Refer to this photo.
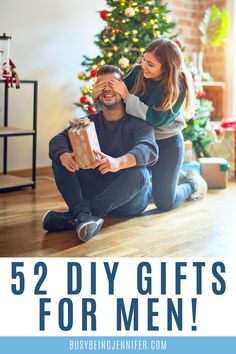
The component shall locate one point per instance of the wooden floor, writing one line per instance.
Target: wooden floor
(203, 228)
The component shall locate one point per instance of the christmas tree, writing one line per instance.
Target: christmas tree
(129, 27)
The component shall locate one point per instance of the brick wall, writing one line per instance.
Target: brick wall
(188, 15)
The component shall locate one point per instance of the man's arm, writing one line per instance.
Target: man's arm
(59, 144)
(144, 152)
(114, 164)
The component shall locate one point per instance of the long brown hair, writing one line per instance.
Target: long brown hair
(174, 73)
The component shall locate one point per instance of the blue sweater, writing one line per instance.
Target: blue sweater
(116, 138)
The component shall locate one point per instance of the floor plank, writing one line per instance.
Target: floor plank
(203, 228)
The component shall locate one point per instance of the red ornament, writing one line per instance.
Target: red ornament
(179, 43)
(146, 11)
(93, 73)
(201, 94)
(104, 14)
(91, 110)
(83, 99)
(219, 131)
(115, 31)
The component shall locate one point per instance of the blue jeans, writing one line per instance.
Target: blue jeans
(167, 194)
(124, 193)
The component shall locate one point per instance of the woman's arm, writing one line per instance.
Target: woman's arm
(157, 119)
(137, 108)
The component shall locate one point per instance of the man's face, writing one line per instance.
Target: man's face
(108, 96)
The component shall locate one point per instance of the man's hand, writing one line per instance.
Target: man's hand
(98, 87)
(107, 163)
(68, 161)
(120, 87)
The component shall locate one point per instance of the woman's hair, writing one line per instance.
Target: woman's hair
(174, 75)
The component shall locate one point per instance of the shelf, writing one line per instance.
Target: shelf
(210, 83)
(215, 92)
(10, 131)
(11, 182)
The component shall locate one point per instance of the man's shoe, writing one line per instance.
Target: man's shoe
(88, 228)
(57, 221)
(199, 183)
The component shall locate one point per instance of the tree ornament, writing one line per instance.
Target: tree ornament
(123, 63)
(146, 11)
(115, 31)
(84, 99)
(81, 76)
(129, 12)
(104, 14)
(85, 90)
(91, 109)
(93, 73)
(179, 43)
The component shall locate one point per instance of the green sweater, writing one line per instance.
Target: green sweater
(166, 123)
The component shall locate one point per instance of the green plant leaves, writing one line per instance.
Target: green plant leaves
(214, 26)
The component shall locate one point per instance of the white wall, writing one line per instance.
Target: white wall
(49, 39)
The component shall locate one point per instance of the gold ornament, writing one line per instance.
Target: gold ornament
(85, 90)
(123, 62)
(129, 12)
(81, 76)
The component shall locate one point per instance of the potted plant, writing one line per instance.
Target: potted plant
(198, 129)
(214, 28)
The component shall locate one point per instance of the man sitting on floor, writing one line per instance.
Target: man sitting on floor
(117, 184)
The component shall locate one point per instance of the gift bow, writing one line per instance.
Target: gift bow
(229, 124)
(79, 122)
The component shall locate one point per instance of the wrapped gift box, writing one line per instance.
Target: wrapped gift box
(190, 165)
(84, 141)
(225, 146)
(215, 171)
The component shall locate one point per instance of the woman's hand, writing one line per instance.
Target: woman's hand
(68, 161)
(98, 87)
(120, 87)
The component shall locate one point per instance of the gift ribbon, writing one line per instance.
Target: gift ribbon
(79, 122)
(225, 166)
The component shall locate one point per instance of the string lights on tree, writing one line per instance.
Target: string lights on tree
(129, 27)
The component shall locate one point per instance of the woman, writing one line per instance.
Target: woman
(159, 90)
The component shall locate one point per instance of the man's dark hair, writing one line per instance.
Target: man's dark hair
(109, 69)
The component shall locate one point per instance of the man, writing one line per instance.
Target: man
(117, 184)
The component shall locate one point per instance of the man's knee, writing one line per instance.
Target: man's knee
(140, 175)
